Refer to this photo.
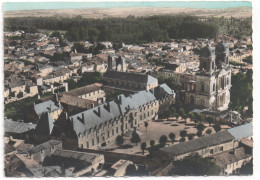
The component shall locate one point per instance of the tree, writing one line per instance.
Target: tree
(217, 127)
(146, 125)
(184, 116)
(200, 117)
(152, 142)
(172, 137)
(183, 133)
(191, 115)
(199, 133)
(210, 120)
(190, 136)
(143, 146)
(119, 140)
(208, 131)
(246, 168)
(200, 127)
(181, 112)
(72, 84)
(172, 110)
(135, 138)
(183, 139)
(195, 165)
(163, 140)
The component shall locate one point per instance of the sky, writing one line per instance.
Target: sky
(13, 6)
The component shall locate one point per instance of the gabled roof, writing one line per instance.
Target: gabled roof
(45, 124)
(41, 147)
(47, 106)
(199, 143)
(166, 88)
(96, 116)
(83, 156)
(83, 90)
(228, 157)
(133, 77)
(243, 131)
(17, 127)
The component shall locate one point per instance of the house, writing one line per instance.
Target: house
(18, 129)
(53, 109)
(80, 163)
(39, 152)
(129, 81)
(230, 161)
(212, 144)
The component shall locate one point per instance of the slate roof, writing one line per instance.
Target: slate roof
(17, 127)
(41, 147)
(243, 131)
(166, 88)
(83, 156)
(199, 143)
(228, 157)
(117, 108)
(133, 77)
(45, 124)
(47, 106)
(162, 91)
(76, 101)
(47, 171)
(83, 90)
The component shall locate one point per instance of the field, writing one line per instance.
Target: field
(242, 12)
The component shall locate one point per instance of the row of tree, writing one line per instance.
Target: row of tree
(241, 93)
(134, 30)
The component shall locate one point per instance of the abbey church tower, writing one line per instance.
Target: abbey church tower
(213, 80)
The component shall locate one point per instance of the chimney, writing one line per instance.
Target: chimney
(98, 113)
(59, 104)
(56, 97)
(107, 106)
(66, 115)
(119, 98)
(82, 116)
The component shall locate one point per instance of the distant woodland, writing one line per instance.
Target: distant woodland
(134, 30)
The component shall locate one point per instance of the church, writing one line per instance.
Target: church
(210, 86)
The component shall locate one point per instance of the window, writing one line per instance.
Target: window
(135, 121)
(221, 148)
(112, 132)
(144, 115)
(152, 112)
(93, 142)
(214, 87)
(126, 126)
(98, 139)
(148, 114)
(108, 134)
(202, 87)
(87, 145)
(141, 117)
(211, 151)
(116, 129)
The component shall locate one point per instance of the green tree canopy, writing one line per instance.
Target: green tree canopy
(135, 138)
(119, 140)
(217, 127)
(163, 140)
(195, 166)
(172, 137)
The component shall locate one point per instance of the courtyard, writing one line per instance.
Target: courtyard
(155, 130)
